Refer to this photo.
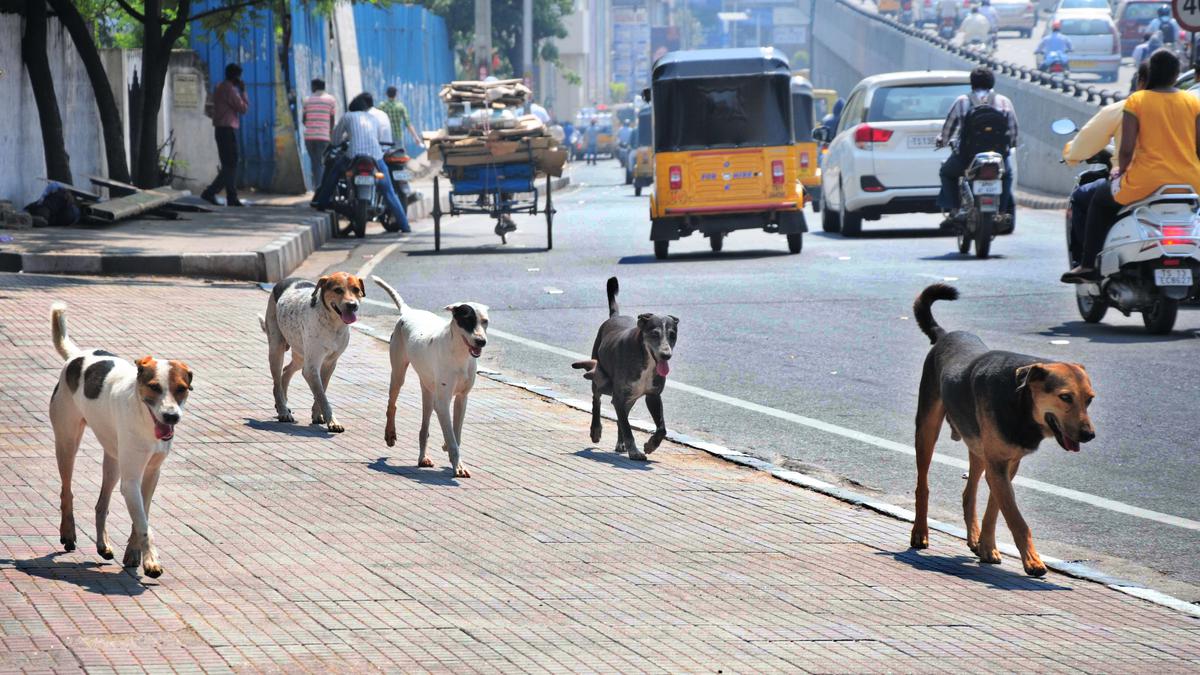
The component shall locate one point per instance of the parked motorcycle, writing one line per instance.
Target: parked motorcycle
(1056, 62)
(981, 191)
(1150, 261)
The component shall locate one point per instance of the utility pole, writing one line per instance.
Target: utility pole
(527, 40)
(483, 35)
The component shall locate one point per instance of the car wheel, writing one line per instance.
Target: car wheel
(830, 222)
(851, 222)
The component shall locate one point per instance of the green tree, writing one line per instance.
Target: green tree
(506, 28)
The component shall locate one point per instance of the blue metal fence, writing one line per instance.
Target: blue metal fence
(409, 48)
(254, 48)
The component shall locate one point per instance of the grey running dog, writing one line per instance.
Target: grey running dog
(630, 360)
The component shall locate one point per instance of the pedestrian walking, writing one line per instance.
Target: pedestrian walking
(229, 104)
(320, 110)
(592, 138)
(398, 118)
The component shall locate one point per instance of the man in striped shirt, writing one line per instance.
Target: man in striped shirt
(319, 112)
(362, 133)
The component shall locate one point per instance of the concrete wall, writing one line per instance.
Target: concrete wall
(20, 133)
(848, 46)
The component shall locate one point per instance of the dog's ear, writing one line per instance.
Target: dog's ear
(321, 284)
(1032, 373)
(644, 319)
(147, 367)
(452, 307)
(362, 287)
(674, 319)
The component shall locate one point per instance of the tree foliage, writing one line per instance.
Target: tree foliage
(548, 24)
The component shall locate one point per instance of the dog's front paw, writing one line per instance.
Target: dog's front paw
(389, 435)
(460, 471)
(152, 570)
(334, 428)
(988, 554)
(133, 556)
(919, 537)
(105, 551)
(318, 420)
(652, 443)
(596, 433)
(287, 417)
(1034, 566)
(68, 543)
(636, 455)
(425, 462)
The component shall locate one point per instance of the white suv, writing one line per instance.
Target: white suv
(882, 158)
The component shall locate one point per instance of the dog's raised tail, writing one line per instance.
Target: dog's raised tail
(613, 288)
(58, 329)
(390, 291)
(922, 309)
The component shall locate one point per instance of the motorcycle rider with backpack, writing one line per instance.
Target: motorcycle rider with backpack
(1164, 24)
(980, 121)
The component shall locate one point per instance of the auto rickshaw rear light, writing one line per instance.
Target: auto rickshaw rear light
(777, 172)
(865, 133)
(676, 177)
(804, 161)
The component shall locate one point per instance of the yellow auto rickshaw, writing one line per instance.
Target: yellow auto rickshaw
(803, 121)
(723, 151)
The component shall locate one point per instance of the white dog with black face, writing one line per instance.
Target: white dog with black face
(443, 353)
(132, 409)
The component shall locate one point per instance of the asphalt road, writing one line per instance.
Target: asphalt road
(828, 334)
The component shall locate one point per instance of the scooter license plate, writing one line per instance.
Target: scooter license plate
(364, 180)
(1180, 277)
(986, 187)
(402, 175)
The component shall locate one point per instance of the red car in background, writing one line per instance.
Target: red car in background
(1133, 16)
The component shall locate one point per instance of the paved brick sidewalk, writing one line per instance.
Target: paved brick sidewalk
(289, 549)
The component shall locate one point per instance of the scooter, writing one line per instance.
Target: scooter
(1150, 261)
(981, 193)
(397, 160)
(947, 28)
(1056, 62)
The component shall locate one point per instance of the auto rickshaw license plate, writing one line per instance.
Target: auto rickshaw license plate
(1178, 277)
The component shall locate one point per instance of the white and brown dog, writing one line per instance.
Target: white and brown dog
(443, 353)
(313, 320)
(133, 409)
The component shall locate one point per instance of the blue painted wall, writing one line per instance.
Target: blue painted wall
(406, 47)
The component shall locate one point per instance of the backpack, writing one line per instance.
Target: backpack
(1168, 30)
(984, 129)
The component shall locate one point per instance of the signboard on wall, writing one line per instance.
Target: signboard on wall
(185, 90)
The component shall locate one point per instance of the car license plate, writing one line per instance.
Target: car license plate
(1083, 64)
(922, 141)
(402, 175)
(364, 180)
(986, 187)
(1181, 277)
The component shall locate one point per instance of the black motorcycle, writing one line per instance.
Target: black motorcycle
(355, 196)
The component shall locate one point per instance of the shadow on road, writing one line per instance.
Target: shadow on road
(490, 249)
(613, 459)
(892, 233)
(91, 576)
(443, 477)
(969, 568)
(694, 256)
(1107, 334)
(297, 428)
(962, 257)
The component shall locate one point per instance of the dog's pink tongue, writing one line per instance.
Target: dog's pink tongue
(662, 368)
(349, 317)
(162, 431)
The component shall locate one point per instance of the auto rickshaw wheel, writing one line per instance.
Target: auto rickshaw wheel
(660, 249)
(716, 241)
(795, 242)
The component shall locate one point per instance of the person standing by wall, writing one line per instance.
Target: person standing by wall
(229, 104)
(398, 118)
(320, 109)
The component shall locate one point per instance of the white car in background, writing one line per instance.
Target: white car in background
(1095, 43)
(1102, 6)
(1018, 15)
(881, 158)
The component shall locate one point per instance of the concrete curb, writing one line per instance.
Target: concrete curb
(1071, 569)
(1031, 200)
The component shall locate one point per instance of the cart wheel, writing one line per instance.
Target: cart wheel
(437, 216)
(549, 217)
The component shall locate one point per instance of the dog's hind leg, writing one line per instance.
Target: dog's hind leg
(276, 350)
(930, 414)
(68, 424)
(970, 499)
(108, 481)
(423, 436)
(327, 367)
(289, 370)
(655, 406)
(399, 370)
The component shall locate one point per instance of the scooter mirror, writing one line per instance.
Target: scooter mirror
(1063, 127)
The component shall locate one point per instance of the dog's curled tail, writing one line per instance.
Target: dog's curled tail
(58, 329)
(390, 291)
(613, 288)
(588, 365)
(923, 313)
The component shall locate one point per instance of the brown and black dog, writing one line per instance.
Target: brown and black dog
(1001, 405)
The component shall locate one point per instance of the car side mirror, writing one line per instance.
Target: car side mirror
(821, 135)
(646, 94)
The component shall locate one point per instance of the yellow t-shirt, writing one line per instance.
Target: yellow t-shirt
(1166, 144)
